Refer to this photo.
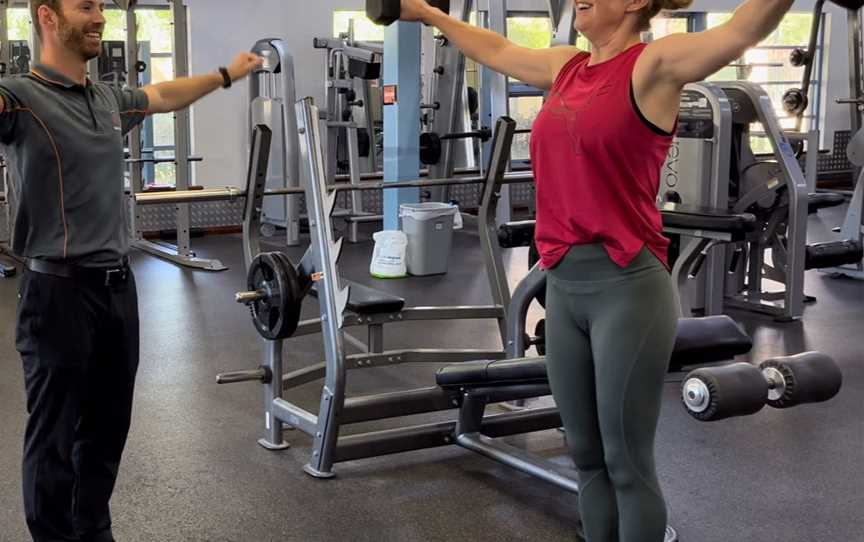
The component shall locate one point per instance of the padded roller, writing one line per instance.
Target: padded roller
(810, 377)
(716, 393)
(833, 254)
(706, 218)
(516, 234)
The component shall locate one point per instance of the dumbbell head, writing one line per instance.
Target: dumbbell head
(853, 5)
(794, 101)
(387, 12)
(383, 12)
(810, 377)
(799, 57)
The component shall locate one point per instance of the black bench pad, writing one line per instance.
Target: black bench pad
(699, 340)
(520, 234)
(492, 373)
(706, 218)
(366, 300)
(708, 340)
(823, 200)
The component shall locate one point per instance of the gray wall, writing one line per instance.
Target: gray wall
(221, 28)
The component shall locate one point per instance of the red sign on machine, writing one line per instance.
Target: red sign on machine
(390, 95)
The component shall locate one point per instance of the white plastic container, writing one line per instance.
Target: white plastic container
(389, 255)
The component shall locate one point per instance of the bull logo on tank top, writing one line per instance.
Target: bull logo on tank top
(572, 111)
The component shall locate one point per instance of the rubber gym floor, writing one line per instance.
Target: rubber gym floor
(193, 471)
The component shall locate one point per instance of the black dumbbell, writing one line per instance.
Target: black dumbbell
(741, 389)
(853, 5)
(387, 12)
(795, 101)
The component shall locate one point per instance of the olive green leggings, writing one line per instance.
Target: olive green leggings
(609, 336)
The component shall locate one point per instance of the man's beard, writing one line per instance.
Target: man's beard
(75, 39)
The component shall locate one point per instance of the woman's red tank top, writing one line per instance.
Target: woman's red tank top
(597, 163)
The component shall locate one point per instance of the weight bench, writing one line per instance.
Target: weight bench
(699, 341)
(478, 383)
(710, 227)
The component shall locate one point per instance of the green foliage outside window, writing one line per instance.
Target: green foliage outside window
(531, 32)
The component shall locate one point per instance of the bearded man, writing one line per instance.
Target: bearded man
(77, 323)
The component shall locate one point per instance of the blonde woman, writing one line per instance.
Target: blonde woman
(597, 147)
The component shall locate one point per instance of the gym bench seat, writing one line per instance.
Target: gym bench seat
(366, 300)
(699, 341)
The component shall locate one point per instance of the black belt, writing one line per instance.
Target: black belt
(107, 276)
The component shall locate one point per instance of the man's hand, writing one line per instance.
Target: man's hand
(243, 65)
(414, 10)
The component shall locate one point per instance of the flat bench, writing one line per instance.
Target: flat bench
(365, 300)
(699, 341)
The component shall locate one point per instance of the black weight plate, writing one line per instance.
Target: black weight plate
(540, 335)
(294, 302)
(277, 315)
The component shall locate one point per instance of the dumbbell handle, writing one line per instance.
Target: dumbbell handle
(483, 133)
(859, 100)
(249, 297)
(261, 374)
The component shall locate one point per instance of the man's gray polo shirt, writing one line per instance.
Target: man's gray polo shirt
(64, 148)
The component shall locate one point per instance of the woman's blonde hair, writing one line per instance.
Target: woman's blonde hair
(656, 6)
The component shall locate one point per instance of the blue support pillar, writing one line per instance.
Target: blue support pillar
(402, 118)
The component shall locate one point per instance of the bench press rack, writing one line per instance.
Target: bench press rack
(467, 385)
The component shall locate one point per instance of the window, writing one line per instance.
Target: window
(768, 65)
(535, 32)
(663, 26)
(364, 29)
(18, 20)
(532, 31)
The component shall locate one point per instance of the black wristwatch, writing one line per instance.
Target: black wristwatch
(226, 78)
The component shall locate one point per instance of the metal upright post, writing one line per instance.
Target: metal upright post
(449, 83)
(35, 44)
(562, 13)
(136, 180)
(401, 116)
(272, 439)
(496, 99)
(181, 127)
(182, 253)
(331, 298)
(5, 59)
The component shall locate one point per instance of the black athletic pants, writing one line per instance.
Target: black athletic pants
(78, 340)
